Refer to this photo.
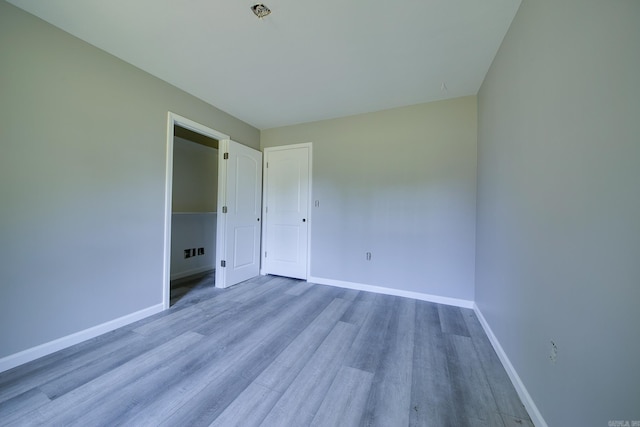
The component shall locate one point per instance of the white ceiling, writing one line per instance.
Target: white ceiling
(306, 61)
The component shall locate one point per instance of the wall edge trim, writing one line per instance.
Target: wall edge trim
(33, 353)
(523, 393)
(391, 291)
(193, 271)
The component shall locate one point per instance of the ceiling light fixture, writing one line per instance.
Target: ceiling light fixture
(260, 10)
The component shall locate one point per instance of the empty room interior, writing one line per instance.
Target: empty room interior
(469, 248)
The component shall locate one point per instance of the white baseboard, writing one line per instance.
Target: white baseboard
(192, 272)
(33, 353)
(390, 291)
(525, 397)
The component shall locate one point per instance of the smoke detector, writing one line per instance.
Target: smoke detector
(260, 10)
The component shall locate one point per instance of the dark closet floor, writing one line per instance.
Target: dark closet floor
(181, 287)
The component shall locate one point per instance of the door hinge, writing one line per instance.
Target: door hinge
(226, 156)
(224, 209)
(223, 263)
(265, 254)
(267, 165)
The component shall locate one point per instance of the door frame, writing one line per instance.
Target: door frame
(173, 120)
(310, 202)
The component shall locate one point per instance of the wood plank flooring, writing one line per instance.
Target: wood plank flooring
(275, 352)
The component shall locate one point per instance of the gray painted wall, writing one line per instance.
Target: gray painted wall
(195, 177)
(400, 184)
(82, 176)
(559, 206)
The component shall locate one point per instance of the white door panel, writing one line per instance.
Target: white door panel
(241, 198)
(244, 237)
(286, 245)
(287, 179)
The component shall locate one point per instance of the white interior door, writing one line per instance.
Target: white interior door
(239, 213)
(287, 172)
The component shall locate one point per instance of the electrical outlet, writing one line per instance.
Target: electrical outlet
(368, 256)
(553, 354)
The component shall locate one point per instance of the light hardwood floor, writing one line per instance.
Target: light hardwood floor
(273, 352)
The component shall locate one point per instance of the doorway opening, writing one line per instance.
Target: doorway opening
(193, 211)
(191, 193)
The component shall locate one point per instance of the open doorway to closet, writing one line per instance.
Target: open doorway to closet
(233, 220)
(191, 205)
(193, 211)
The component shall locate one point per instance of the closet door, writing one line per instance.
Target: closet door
(239, 213)
(287, 175)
